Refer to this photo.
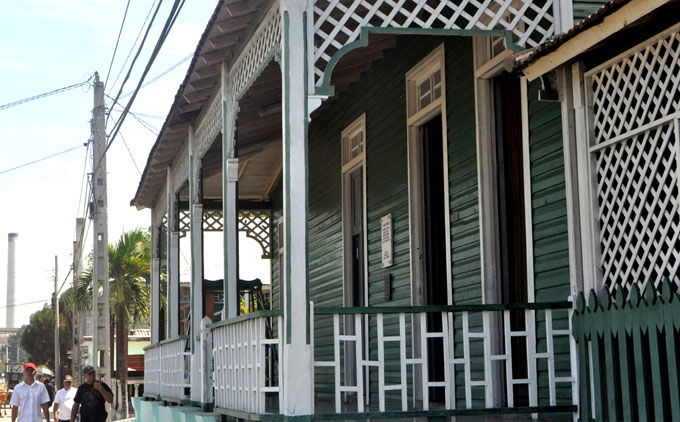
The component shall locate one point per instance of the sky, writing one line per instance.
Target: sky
(50, 44)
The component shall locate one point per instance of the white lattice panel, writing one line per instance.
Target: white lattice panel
(152, 371)
(210, 126)
(635, 102)
(636, 90)
(339, 22)
(243, 364)
(264, 41)
(346, 339)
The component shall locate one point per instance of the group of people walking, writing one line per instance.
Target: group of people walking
(86, 402)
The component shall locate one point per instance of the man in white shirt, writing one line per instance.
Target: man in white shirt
(28, 397)
(63, 401)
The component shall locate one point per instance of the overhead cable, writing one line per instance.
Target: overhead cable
(134, 44)
(43, 95)
(120, 31)
(172, 17)
(41, 159)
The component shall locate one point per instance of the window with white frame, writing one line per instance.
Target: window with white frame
(424, 84)
(353, 143)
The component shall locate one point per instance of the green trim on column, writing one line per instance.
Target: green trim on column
(192, 191)
(306, 124)
(325, 88)
(286, 167)
(225, 123)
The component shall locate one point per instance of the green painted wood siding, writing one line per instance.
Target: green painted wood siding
(583, 8)
(550, 241)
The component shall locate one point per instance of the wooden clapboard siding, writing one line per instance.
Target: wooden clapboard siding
(549, 218)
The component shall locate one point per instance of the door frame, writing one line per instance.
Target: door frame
(415, 119)
(415, 180)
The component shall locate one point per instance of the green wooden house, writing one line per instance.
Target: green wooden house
(420, 201)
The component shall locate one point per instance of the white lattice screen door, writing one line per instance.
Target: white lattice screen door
(634, 148)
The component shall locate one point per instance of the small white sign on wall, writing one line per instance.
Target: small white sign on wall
(386, 240)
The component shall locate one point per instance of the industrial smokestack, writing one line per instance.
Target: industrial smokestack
(11, 279)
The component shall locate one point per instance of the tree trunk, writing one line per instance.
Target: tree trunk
(121, 360)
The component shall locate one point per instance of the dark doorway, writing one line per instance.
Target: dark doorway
(512, 235)
(356, 182)
(434, 245)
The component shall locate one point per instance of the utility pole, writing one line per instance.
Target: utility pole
(101, 321)
(77, 250)
(57, 360)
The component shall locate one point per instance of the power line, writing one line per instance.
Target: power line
(120, 31)
(25, 303)
(160, 75)
(128, 150)
(43, 95)
(40, 159)
(172, 17)
(134, 44)
(139, 51)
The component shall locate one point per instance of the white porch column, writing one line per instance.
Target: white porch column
(172, 261)
(196, 211)
(298, 391)
(230, 205)
(155, 280)
(229, 198)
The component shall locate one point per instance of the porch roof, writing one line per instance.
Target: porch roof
(609, 19)
(222, 40)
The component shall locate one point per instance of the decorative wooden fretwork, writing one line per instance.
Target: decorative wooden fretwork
(256, 224)
(210, 126)
(635, 100)
(260, 48)
(213, 221)
(338, 23)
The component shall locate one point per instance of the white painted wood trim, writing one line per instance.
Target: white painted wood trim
(571, 180)
(230, 204)
(528, 206)
(581, 42)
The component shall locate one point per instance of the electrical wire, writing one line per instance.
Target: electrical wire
(41, 159)
(133, 44)
(120, 31)
(139, 51)
(25, 303)
(45, 94)
(160, 75)
(128, 150)
(172, 17)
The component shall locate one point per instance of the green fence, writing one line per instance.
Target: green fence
(628, 344)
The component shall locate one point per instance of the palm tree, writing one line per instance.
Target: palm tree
(129, 274)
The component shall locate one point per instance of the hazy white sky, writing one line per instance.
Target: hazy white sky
(49, 44)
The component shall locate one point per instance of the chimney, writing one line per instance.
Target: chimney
(11, 279)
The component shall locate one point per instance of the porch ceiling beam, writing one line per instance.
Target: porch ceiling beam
(583, 41)
(226, 40)
(234, 24)
(208, 71)
(194, 106)
(204, 83)
(197, 95)
(242, 8)
(216, 57)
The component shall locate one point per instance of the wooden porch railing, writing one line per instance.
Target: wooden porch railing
(164, 369)
(628, 346)
(247, 354)
(404, 340)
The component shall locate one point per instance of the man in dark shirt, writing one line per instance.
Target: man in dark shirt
(90, 399)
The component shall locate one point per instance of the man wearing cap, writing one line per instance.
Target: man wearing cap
(63, 401)
(28, 397)
(90, 399)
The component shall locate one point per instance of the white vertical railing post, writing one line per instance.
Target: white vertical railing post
(172, 261)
